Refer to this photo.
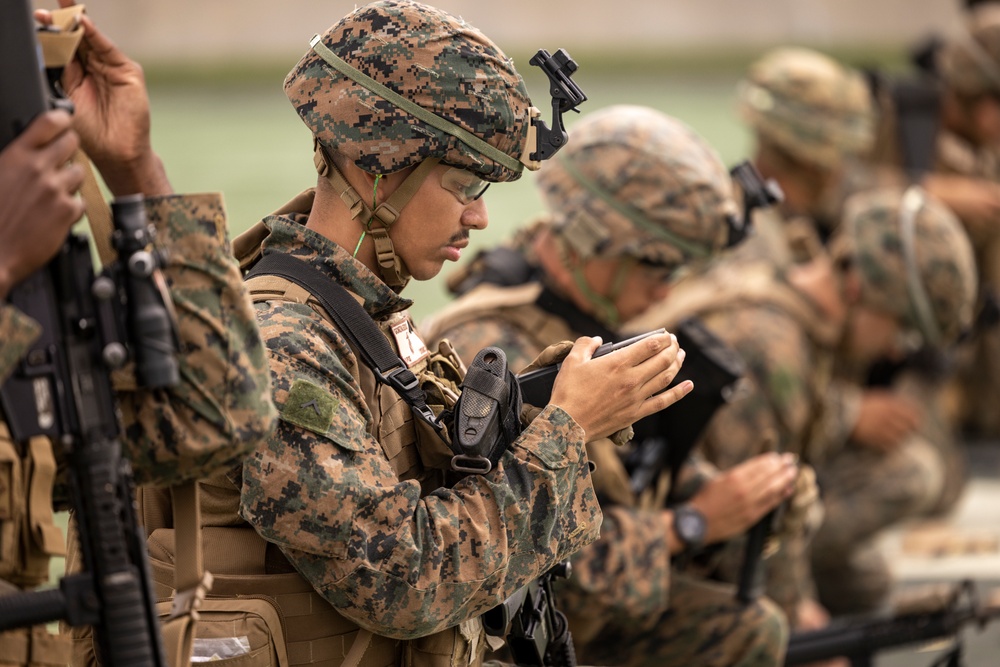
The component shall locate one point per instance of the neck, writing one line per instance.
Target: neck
(331, 218)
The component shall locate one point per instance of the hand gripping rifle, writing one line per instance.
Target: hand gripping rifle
(62, 389)
(860, 638)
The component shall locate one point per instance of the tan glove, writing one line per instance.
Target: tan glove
(550, 356)
(803, 512)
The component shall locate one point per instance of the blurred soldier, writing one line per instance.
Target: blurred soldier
(636, 198)
(809, 116)
(917, 268)
(963, 159)
(892, 275)
(351, 517)
(221, 408)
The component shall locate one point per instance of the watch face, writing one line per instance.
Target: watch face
(690, 526)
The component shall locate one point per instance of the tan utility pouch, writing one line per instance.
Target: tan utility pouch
(241, 631)
(29, 537)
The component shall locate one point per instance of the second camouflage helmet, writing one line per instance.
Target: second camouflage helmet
(914, 259)
(377, 85)
(635, 182)
(808, 105)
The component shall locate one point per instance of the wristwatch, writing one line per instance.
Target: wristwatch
(690, 525)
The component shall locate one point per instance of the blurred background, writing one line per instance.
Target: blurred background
(222, 122)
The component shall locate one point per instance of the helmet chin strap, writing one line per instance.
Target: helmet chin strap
(605, 309)
(390, 267)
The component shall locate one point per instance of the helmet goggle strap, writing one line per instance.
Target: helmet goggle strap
(920, 303)
(386, 213)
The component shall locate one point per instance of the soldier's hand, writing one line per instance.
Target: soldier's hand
(975, 201)
(885, 420)
(612, 392)
(739, 497)
(111, 115)
(811, 615)
(38, 202)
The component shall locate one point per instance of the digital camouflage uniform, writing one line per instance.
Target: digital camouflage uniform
(18, 332)
(632, 184)
(352, 495)
(218, 412)
(866, 490)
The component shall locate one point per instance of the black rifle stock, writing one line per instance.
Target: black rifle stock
(859, 639)
(62, 389)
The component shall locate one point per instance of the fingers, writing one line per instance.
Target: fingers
(665, 399)
(46, 127)
(584, 348)
(99, 46)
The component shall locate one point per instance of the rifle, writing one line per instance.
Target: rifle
(757, 193)
(91, 324)
(536, 631)
(860, 638)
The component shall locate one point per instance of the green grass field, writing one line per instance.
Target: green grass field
(244, 139)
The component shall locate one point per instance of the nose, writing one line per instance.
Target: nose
(475, 215)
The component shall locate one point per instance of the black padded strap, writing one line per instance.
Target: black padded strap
(354, 323)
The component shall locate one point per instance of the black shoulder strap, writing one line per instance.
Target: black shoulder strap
(355, 324)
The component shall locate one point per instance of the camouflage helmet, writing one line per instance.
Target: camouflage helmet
(969, 62)
(915, 260)
(808, 105)
(395, 82)
(635, 182)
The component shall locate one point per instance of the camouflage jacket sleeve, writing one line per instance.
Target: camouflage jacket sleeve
(625, 575)
(222, 407)
(18, 332)
(397, 559)
(774, 408)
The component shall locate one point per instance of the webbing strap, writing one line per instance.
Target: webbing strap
(191, 582)
(58, 49)
(358, 648)
(355, 324)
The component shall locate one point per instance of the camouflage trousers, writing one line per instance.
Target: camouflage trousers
(705, 625)
(864, 492)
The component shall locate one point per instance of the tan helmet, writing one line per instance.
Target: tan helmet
(969, 61)
(808, 105)
(914, 258)
(635, 182)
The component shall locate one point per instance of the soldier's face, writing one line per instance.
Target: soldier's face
(434, 226)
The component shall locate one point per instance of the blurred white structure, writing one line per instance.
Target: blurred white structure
(227, 30)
